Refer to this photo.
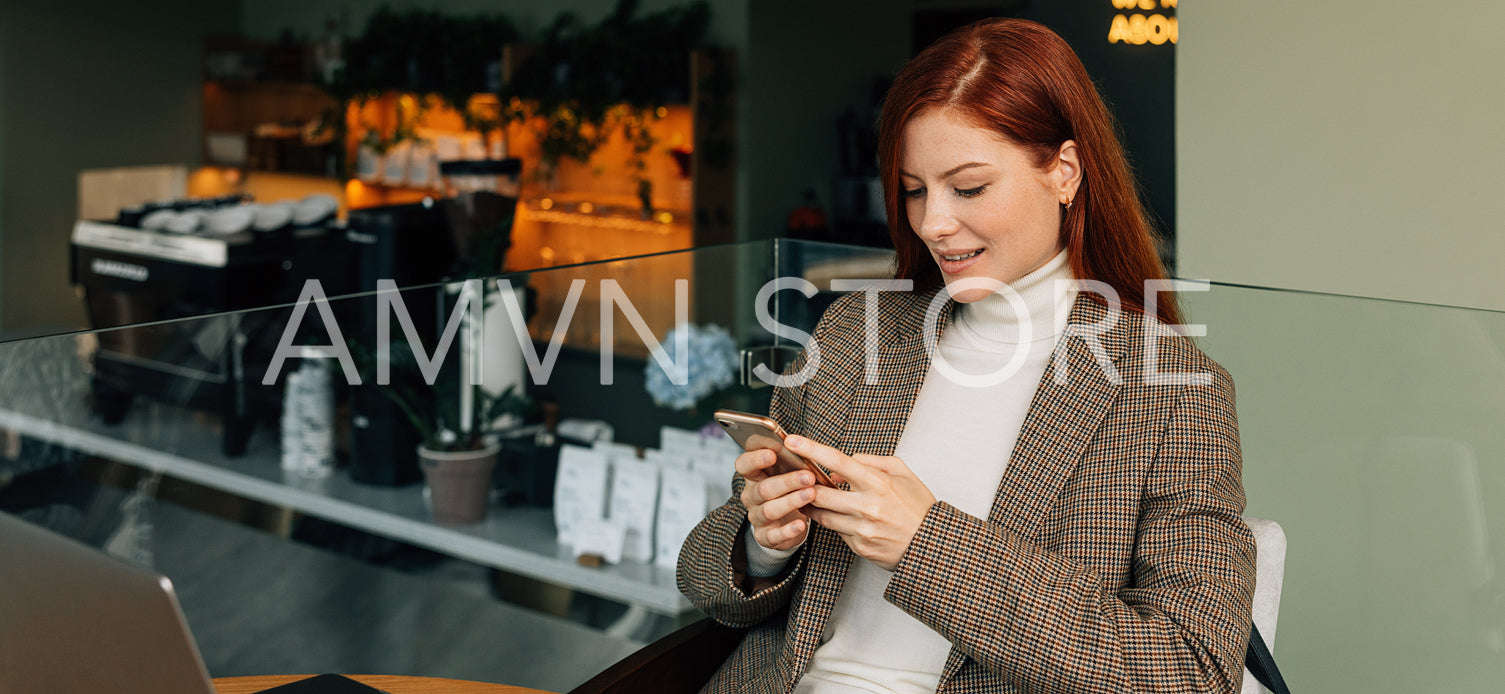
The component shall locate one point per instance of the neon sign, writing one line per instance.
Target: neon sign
(1138, 29)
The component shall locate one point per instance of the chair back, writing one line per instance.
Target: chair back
(1270, 568)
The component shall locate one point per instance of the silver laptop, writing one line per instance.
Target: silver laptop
(73, 619)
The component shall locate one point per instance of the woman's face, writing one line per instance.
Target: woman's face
(978, 201)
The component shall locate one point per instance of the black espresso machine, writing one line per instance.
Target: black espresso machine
(130, 276)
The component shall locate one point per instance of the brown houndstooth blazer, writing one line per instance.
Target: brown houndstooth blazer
(1114, 558)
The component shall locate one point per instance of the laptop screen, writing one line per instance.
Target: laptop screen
(73, 619)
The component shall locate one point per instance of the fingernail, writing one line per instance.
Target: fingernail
(794, 442)
(807, 478)
(807, 495)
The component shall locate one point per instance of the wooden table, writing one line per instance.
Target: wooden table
(396, 684)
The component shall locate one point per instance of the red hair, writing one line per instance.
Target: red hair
(1020, 80)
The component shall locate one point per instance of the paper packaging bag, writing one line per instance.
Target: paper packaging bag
(603, 538)
(717, 471)
(579, 490)
(680, 441)
(682, 503)
(615, 451)
(668, 461)
(634, 501)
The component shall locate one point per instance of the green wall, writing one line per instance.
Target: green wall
(87, 84)
(1352, 146)
(1370, 432)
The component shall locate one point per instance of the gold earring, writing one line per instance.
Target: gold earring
(1068, 205)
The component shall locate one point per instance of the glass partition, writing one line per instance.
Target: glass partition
(288, 503)
(1371, 433)
(262, 461)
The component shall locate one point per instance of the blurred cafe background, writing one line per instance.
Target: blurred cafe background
(1326, 178)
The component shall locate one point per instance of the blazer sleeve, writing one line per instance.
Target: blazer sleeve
(712, 569)
(1045, 623)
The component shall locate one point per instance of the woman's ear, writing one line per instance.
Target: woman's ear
(1066, 171)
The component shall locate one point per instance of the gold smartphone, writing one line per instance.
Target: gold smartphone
(754, 431)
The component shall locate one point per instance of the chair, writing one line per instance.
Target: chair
(1269, 572)
(675, 664)
(684, 660)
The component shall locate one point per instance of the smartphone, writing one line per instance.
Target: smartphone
(324, 684)
(754, 431)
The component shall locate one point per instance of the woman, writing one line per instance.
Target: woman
(1106, 553)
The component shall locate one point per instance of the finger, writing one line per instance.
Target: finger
(773, 487)
(778, 521)
(836, 522)
(837, 501)
(754, 464)
(834, 460)
(783, 536)
(780, 485)
(776, 510)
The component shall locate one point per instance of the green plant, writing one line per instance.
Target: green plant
(578, 78)
(425, 52)
(580, 84)
(434, 408)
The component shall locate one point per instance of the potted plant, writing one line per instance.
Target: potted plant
(455, 423)
(455, 419)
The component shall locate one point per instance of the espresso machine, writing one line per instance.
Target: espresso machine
(133, 274)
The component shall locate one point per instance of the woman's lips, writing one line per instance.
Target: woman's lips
(952, 267)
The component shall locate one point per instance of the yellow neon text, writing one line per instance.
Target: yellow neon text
(1145, 5)
(1137, 29)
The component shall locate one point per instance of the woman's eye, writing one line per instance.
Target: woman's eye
(970, 192)
(914, 193)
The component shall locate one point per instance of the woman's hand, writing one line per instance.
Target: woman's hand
(883, 510)
(773, 501)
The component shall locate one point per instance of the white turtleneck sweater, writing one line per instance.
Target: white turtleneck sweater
(957, 441)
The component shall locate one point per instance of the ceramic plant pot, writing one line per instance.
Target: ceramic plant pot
(459, 482)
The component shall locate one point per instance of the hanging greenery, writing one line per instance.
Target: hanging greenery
(425, 52)
(578, 85)
(578, 76)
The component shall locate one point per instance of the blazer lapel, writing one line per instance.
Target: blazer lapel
(882, 406)
(1058, 425)
(879, 410)
(1060, 421)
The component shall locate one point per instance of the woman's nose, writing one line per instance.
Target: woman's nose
(937, 221)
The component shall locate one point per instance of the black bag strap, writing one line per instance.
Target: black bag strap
(1262, 665)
